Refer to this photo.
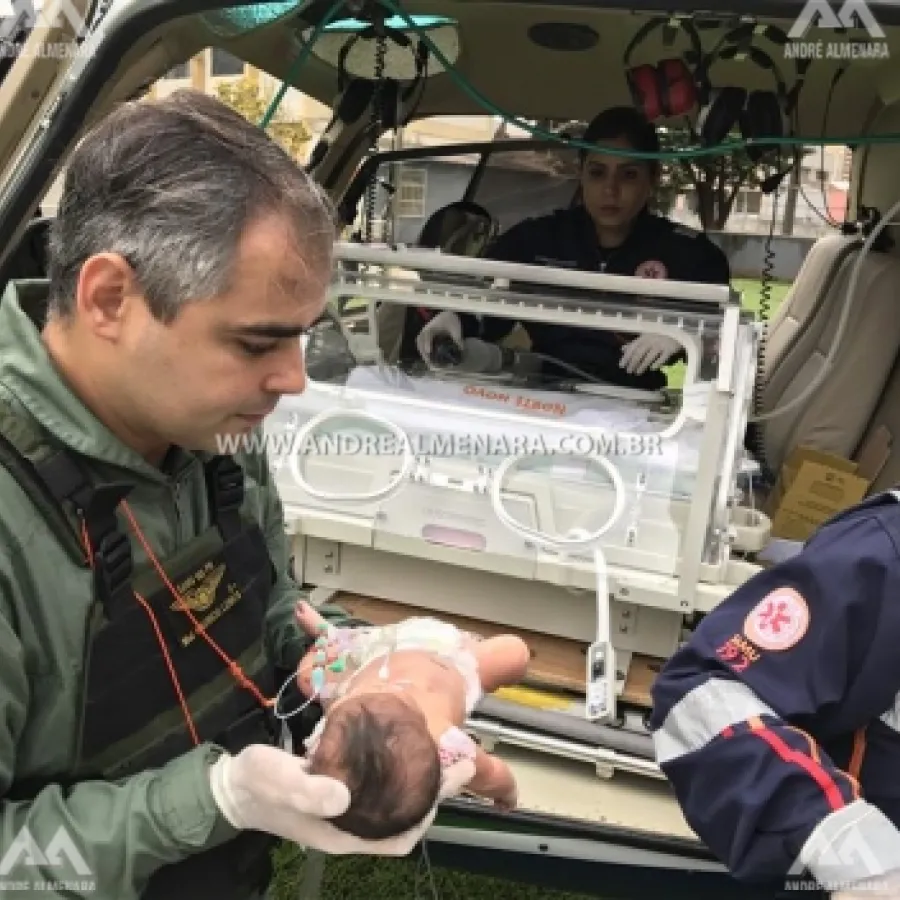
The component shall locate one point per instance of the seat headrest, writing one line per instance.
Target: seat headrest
(462, 228)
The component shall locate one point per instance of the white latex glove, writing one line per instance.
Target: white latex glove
(267, 789)
(879, 887)
(649, 351)
(446, 322)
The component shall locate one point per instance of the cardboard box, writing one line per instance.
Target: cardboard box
(814, 486)
(817, 492)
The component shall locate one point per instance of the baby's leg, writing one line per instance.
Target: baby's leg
(501, 660)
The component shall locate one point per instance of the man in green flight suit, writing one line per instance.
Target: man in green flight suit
(146, 607)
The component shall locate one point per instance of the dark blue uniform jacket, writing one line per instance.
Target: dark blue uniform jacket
(778, 724)
(567, 239)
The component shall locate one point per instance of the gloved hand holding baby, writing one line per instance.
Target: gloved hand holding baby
(271, 790)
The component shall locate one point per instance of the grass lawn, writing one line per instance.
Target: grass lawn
(370, 878)
(364, 878)
(752, 292)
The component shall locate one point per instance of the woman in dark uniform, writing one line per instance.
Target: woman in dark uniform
(611, 229)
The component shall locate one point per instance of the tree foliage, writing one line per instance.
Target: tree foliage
(246, 97)
(714, 180)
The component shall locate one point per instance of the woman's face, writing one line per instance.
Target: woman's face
(615, 188)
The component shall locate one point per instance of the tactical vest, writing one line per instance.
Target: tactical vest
(130, 716)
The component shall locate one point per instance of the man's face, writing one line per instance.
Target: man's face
(615, 188)
(223, 364)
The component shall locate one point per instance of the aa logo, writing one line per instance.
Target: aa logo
(835, 15)
(24, 16)
(60, 853)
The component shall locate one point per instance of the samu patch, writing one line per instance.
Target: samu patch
(651, 268)
(779, 621)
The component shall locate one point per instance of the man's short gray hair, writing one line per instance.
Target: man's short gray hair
(171, 185)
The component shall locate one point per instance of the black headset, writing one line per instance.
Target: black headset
(758, 114)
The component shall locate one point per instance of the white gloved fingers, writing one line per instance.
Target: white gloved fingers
(319, 834)
(265, 788)
(446, 322)
(657, 358)
(633, 355)
(667, 347)
(268, 789)
(649, 351)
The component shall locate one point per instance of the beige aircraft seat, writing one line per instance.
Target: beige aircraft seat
(885, 425)
(836, 414)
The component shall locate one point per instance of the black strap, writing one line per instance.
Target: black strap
(95, 506)
(225, 494)
(23, 471)
(60, 488)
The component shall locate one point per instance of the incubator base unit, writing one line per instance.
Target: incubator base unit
(548, 504)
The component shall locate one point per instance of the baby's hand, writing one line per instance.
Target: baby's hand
(309, 618)
(505, 793)
(509, 800)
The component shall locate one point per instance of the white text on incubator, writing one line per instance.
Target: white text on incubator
(446, 445)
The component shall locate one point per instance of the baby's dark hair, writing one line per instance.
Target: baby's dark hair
(623, 122)
(381, 748)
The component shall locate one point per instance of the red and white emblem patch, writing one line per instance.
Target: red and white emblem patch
(652, 268)
(778, 621)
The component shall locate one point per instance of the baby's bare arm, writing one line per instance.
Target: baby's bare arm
(493, 779)
(501, 660)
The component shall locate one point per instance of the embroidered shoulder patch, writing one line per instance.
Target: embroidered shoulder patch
(779, 621)
(651, 268)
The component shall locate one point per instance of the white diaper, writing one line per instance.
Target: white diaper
(365, 645)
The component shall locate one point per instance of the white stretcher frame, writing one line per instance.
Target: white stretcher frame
(370, 278)
(347, 548)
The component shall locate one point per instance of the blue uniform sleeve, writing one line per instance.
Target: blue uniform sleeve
(730, 707)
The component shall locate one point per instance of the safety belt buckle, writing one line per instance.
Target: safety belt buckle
(112, 572)
(225, 483)
(110, 547)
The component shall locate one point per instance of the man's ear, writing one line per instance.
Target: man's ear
(106, 282)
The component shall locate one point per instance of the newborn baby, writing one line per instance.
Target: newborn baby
(393, 701)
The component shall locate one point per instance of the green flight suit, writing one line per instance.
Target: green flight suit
(123, 830)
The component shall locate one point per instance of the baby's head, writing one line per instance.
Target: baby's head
(380, 747)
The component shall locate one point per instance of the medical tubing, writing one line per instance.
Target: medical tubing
(842, 322)
(577, 537)
(585, 539)
(544, 357)
(303, 436)
(722, 148)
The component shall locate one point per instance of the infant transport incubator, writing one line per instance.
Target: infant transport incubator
(533, 499)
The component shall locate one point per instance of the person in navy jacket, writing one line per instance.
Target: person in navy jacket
(778, 723)
(610, 229)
